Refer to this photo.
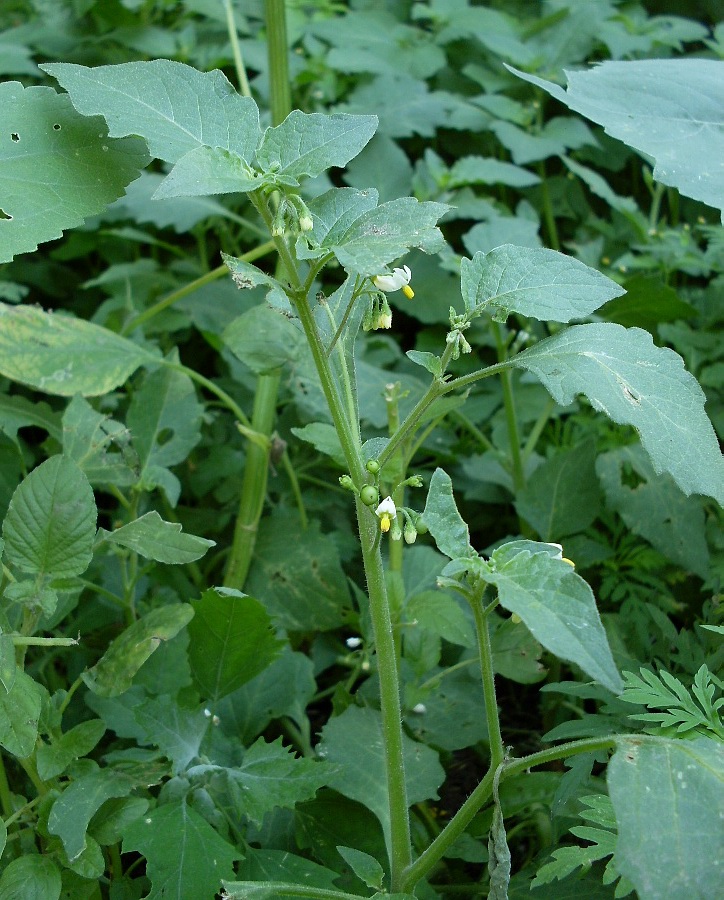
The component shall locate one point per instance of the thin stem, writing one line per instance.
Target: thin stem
(550, 219)
(228, 401)
(392, 396)
(400, 849)
(510, 414)
(189, 288)
(537, 429)
(6, 800)
(20, 640)
(294, 482)
(497, 749)
(236, 50)
(253, 489)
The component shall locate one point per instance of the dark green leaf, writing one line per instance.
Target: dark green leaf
(153, 538)
(443, 519)
(31, 877)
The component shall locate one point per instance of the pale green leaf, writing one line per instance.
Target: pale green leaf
(442, 614)
(62, 355)
(269, 776)
(297, 575)
(333, 213)
(669, 109)
(668, 796)
(31, 877)
(353, 743)
(208, 170)
(165, 423)
(8, 664)
(556, 604)
(52, 759)
(323, 438)
(185, 857)
(51, 521)
(175, 730)
(19, 715)
(380, 234)
(443, 520)
(88, 437)
(307, 144)
(81, 799)
(535, 282)
(56, 167)
(18, 412)
(634, 382)
(562, 496)
(173, 106)
(483, 170)
(655, 508)
(280, 865)
(231, 641)
(113, 673)
(152, 538)
(364, 866)
(263, 338)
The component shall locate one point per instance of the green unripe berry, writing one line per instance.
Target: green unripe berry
(420, 526)
(372, 466)
(369, 495)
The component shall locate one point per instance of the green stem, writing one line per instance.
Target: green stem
(253, 489)
(397, 474)
(6, 800)
(280, 99)
(236, 50)
(497, 748)
(294, 482)
(510, 414)
(550, 219)
(482, 793)
(537, 429)
(20, 640)
(400, 847)
(287, 889)
(189, 288)
(228, 401)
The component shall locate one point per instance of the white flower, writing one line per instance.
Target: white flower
(353, 642)
(399, 280)
(385, 512)
(419, 709)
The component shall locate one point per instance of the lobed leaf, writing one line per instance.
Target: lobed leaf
(534, 282)
(173, 106)
(57, 167)
(634, 382)
(669, 109)
(152, 538)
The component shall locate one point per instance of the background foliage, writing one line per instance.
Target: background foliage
(244, 723)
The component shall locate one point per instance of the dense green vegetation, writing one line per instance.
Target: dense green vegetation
(360, 395)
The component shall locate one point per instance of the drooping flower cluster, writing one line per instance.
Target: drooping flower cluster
(379, 314)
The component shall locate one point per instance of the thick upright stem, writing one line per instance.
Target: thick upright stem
(497, 749)
(253, 490)
(280, 99)
(510, 414)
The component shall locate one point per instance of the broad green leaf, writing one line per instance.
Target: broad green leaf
(8, 664)
(481, 170)
(116, 814)
(61, 355)
(113, 673)
(516, 653)
(557, 135)
(19, 715)
(556, 604)
(81, 799)
(269, 776)
(54, 758)
(323, 438)
(668, 796)
(87, 439)
(280, 865)
(173, 106)
(446, 713)
(383, 234)
(31, 877)
(655, 508)
(562, 496)
(329, 820)
(18, 412)
(307, 144)
(175, 730)
(409, 106)
(263, 338)
(364, 866)
(284, 688)
(635, 383)
(208, 170)
(231, 641)
(443, 519)
(669, 109)
(442, 614)
(353, 743)
(539, 283)
(646, 303)
(333, 213)
(51, 522)
(165, 423)
(185, 857)
(57, 167)
(297, 575)
(245, 275)
(152, 538)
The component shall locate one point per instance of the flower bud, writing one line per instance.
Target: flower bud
(346, 482)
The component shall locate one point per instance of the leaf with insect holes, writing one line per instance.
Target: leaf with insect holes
(636, 383)
(173, 106)
(57, 167)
